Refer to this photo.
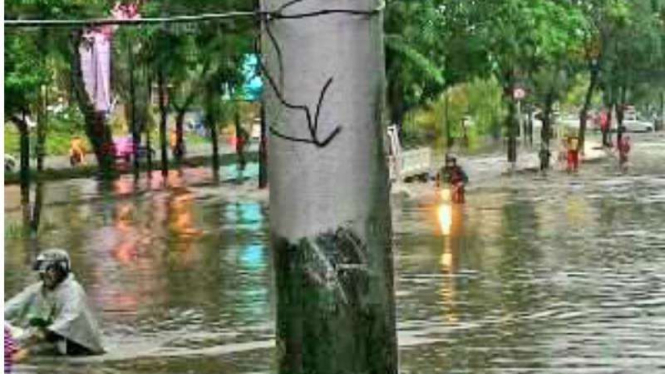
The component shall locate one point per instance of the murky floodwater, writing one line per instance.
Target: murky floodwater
(558, 274)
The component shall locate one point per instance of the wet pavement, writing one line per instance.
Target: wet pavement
(535, 274)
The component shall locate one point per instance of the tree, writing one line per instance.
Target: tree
(634, 53)
(25, 75)
(604, 18)
(329, 194)
(557, 32)
(415, 55)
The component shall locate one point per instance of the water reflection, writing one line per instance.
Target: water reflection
(451, 220)
(558, 274)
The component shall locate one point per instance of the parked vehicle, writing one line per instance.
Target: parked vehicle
(124, 149)
(632, 123)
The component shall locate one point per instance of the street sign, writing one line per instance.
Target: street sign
(519, 93)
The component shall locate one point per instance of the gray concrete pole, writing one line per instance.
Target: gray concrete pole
(329, 205)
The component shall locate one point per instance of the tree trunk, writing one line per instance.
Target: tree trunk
(163, 117)
(148, 145)
(42, 123)
(263, 156)
(212, 105)
(610, 117)
(662, 109)
(511, 121)
(136, 135)
(96, 129)
(512, 130)
(24, 161)
(397, 107)
(449, 135)
(585, 108)
(240, 138)
(329, 204)
(24, 132)
(146, 124)
(620, 107)
(179, 151)
(215, 147)
(546, 132)
(530, 124)
(36, 215)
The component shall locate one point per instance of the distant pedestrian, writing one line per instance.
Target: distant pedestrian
(573, 157)
(242, 138)
(76, 151)
(624, 150)
(544, 156)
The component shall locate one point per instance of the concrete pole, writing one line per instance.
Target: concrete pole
(329, 206)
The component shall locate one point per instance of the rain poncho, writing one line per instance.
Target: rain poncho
(63, 311)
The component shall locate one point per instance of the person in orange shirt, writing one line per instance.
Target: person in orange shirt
(173, 142)
(76, 151)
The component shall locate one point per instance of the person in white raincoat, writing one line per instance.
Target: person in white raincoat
(54, 312)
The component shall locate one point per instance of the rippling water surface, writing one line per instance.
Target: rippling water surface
(557, 274)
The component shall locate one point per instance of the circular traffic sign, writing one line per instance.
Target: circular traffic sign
(519, 93)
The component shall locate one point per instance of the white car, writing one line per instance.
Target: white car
(568, 122)
(635, 125)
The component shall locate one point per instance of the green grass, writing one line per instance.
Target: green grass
(57, 142)
(91, 171)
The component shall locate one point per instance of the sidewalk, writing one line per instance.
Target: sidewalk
(593, 151)
(193, 151)
(58, 167)
(486, 167)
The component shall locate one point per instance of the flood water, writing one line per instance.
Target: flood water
(556, 274)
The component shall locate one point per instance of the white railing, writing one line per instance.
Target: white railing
(414, 162)
(410, 163)
(405, 164)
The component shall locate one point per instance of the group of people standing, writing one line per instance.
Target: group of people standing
(623, 145)
(570, 152)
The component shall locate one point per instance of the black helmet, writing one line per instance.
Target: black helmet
(53, 258)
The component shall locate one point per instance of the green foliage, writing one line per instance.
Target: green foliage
(417, 59)
(634, 52)
(486, 106)
(575, 95)
(415, 54)
(25, 73)
(479, 103)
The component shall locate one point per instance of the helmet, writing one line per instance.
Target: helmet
(53, 258)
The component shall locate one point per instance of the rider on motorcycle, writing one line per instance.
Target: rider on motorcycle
(455, 176)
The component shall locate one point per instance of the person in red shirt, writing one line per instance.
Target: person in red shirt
(573, 157)
(455, 176)
(624, 150)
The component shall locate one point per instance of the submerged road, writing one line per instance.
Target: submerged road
(563, 273)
